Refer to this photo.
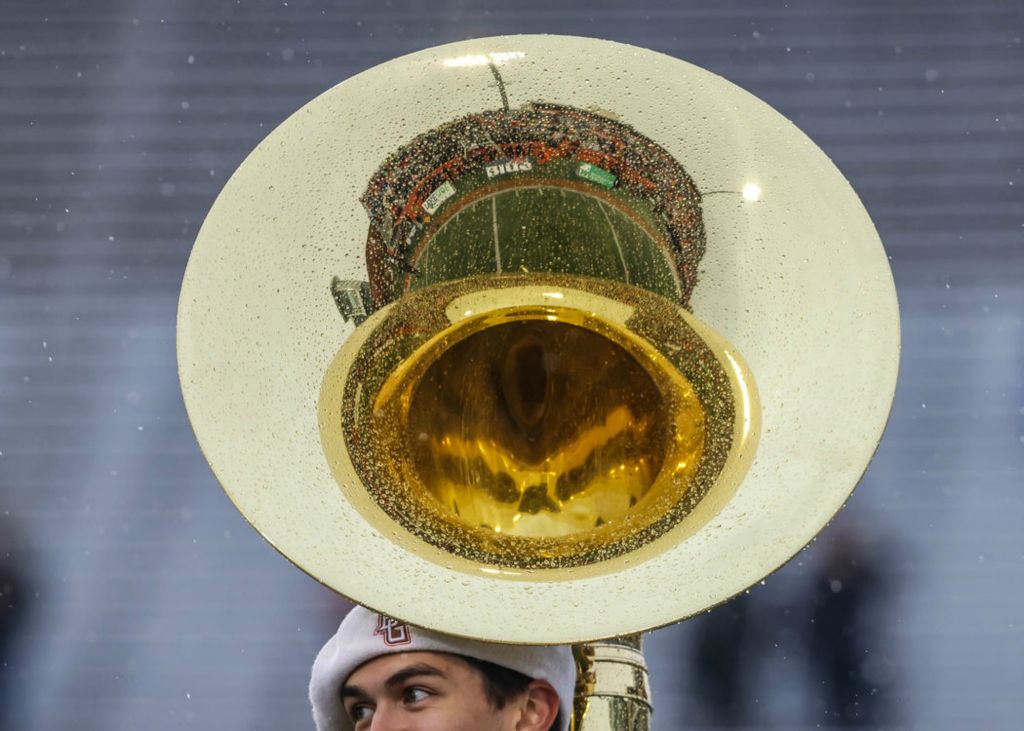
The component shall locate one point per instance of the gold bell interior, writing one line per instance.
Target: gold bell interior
(541, 422)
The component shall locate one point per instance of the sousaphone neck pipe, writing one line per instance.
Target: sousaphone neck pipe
(612, 688)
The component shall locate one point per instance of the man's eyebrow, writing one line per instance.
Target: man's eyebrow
(411, 672)
(351, 691)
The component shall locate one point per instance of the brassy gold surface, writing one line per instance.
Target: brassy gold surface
(533, 421)
(540, 427)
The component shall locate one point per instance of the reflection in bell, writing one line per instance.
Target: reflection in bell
(538, 428)
(569, 417)
(534, 436)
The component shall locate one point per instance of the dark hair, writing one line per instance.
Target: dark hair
(502, 684)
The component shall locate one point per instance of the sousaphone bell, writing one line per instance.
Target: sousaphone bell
(539, 339)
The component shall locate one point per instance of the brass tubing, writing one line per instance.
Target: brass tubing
(613, 690)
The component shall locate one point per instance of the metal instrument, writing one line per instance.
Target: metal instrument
(539, 339)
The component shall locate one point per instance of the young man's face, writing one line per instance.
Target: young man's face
(431, 691)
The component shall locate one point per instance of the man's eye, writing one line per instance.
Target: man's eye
(360, 711)
(415, 695)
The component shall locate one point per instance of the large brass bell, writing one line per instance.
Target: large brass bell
(615, 341)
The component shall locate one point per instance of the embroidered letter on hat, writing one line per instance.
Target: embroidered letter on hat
(392, 631)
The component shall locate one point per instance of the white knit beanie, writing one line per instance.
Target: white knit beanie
(365, 635)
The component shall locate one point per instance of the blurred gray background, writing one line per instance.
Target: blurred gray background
(132, 595)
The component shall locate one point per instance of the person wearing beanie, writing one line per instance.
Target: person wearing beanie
(380, 674)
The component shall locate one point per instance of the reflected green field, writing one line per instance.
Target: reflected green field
(545, 228)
